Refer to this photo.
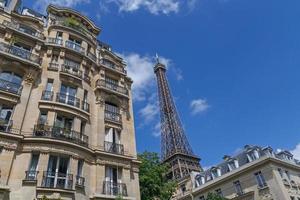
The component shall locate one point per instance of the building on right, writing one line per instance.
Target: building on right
(256, 173)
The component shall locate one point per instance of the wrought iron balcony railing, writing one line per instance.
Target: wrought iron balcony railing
(10, 87)
(114, 148)
(53, 66)
(92, 56)
(56, 41)
(67, 99)
(112, 116)
(57, 180)
(19, 52)
(5, 125)
(72, 71)
(111, 65)
(80, 181)
(113, 87)
(85, 106)
(115, 189)
(47, 95)
(31, 175)
(42, 130)
(76, 47)
(24, 29)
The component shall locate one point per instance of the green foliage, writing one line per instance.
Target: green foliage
(119, 197)
(153, 183)
(214, 196)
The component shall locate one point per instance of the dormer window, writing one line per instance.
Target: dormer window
(199, 180)
(233, 164)
(253, 155)
(215, 172)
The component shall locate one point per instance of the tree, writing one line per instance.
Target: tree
(214, 196)
(153, 183)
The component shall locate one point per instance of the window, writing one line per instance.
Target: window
(112, 141)
(219, 192)
(111, 108)
(5, 115)
(234, 164)
(113, 180)
(200, 180)
(260, 180)
(280, 172)
(32, 170)
(43, 118)
(49, 86)
(64, 122)
(202, 198)
(292, 198)
(216, 172)
(59, 35)
(288, 174)
(68, 95)
(79, 167)
(10, 82)
(238, 187)
(82, 127)
(253, 155)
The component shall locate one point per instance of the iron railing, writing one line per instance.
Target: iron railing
(42, 130)
(76, 47)
(92, 56)
(85, 106)
(57, 41)
(70, 70)
(19, 52)
(47, 95)
(24, 29)
(110, 86)
(80, 181)
(53, 66)
(57, 180)
(112, 116)
(31, 175)
(67, 99)
(111, 65)
(10, 87)
(113, 148)
(5, 125)
(115, 189)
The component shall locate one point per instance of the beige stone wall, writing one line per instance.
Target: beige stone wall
(19, 142)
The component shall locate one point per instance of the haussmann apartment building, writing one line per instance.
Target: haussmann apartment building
(66, 117)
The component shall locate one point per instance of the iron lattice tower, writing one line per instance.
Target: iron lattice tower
(175, 148)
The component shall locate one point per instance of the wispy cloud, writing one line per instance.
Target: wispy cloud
(149, 112)
(198, 106)
(296, 151)
(41, 5)
(156, 130)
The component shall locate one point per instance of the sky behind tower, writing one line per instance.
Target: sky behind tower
(233, 67)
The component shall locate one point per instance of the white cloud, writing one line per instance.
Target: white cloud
(140, 69)
(153, 6)
(296, 152)
(198, 105)
(41, 5)
(156, 130)
(149, 112)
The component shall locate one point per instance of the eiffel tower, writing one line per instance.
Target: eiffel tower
(175, 148)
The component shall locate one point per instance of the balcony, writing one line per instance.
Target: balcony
(85, 106)
(24, 29)
(55, 41)
(115, 189)
(10, 87)
(71, 71)
(92, 56)
(31, 176)
(80, 181)
(112, 87)
(47, 96)
(114, 148)
(67, 99)
(5, 125)
(109, 64)
(19, 52)
(74, 46)
(53, 67)
(57, 180)
(59, 133)
(113, 116)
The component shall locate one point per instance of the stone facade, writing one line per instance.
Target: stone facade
(254, 174)
(66, 117)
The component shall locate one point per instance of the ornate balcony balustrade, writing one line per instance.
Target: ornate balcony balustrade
(42, 130)
(115, 189)
(92, 56)
(53, 66)
(71, 70)
(56, 41)
(31, 175)
(57, 180)
(112, 116)
(114, 148)
(19, 52)
(74, 46)
(80, 181)
(113, 87)
(111, 65)
(67, 99)
(10, 87)
(24, 29)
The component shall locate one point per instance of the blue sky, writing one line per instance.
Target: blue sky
(233, 66)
